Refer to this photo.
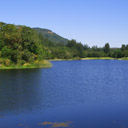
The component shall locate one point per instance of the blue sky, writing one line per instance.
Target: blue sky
(92, 22)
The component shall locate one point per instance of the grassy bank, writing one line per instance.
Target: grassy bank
(124, 58)
(47, 64)
(104, 58)
(36, 64)
(88, 58)
(98, 58)
(91, 58)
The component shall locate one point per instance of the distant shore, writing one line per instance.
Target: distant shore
(91, 58)
(104, 58)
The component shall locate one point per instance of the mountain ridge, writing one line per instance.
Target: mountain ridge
(52, 36)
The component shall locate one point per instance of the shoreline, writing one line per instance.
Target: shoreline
(42, 64)
(91, 58)
(47, 64)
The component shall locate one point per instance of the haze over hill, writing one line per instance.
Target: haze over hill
(51, 35)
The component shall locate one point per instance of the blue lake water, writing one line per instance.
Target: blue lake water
(71, 94)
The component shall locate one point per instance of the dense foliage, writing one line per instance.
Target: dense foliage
(59, 48)
(20, 45)
(51, 36)
(75, 50)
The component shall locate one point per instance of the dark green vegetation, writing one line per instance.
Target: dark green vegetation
(51, 36)
(61, 48)
(20, 46)
(76, 50)
(25, 47)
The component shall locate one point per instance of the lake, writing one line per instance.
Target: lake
(71, 94)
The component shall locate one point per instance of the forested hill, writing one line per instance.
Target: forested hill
(51, 36)
(20, 45)
(25, 46)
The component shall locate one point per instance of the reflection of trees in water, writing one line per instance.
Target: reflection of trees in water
(18, 89)
(57, 124)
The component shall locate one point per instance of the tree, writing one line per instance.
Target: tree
(107, 48)
(94, 48)
(20, 43)
(127, 47)
(123, 47)
(117, 54)
(86, 47)
(71, 44)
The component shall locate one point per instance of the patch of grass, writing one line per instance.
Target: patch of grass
(124, 58)
(36, 64)
(98, 58)
(88, 58)
(92, 58)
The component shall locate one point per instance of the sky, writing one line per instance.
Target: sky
(92, 22)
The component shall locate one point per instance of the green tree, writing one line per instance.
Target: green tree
(127, 47)
(123, 47)
(71, 44)
(107, 48)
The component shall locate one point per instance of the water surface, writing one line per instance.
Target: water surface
(79, 94)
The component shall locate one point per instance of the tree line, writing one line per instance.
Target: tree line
(19, 45)
(75, 50)
(22, 44)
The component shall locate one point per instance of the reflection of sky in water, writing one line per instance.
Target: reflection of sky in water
(87, 93)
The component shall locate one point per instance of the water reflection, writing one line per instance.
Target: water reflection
(92, 94)
(19, 89)
(56, 124)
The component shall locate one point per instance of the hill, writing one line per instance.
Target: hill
(20, 47)
(25, 47)
(51, 36)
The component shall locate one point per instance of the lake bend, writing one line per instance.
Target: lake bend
(71, 94)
